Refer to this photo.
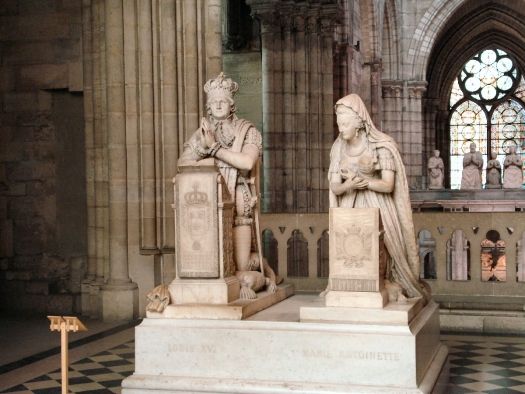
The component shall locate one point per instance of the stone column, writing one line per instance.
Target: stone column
(371, 88)
(521, 259)
(96, 143)
(403, 120)
(297, 58)
(273, 192)
(393, 109)
(430, 119)
(145, 67)
(146, 127)
(327, 132)
(87, 47)
(119, 295)
(413, 146)
(459, 257)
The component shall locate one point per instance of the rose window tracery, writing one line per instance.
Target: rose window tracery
(486, 104)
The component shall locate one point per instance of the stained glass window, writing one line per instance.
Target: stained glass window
(487, 105)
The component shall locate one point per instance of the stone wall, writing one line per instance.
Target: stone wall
(42, 176)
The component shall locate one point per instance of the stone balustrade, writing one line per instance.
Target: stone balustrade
(452, 266)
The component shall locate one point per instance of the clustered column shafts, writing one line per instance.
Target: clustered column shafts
(87, 49)
(402, 112)
(116, 125)
(298, 129)
(100, 139)
(146, 127)
(145, 63)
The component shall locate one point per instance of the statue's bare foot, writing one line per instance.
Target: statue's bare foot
(247, 293)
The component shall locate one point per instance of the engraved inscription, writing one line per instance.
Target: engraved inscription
(189, 348)
(351, 354)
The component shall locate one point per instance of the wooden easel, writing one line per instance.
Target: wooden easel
(64, 324)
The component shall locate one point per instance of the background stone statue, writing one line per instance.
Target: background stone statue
(366, 171)
(493, 172)
(472, 166)
(236, 146)
(436, 171)
(513, 175)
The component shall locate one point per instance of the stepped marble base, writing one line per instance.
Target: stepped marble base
(236, 310)
(393, 313)
(257, 356)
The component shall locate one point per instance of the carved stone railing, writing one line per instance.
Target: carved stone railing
(472, 292)
(311, 228)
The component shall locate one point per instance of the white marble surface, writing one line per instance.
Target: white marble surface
(282, 355)
(204, 291)
(357, 299)
(236, 310)
(392, 313)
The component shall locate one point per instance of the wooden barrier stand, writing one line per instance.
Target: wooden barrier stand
(64, 324)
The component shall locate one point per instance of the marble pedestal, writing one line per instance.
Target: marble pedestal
(280, 355)
(236, 310)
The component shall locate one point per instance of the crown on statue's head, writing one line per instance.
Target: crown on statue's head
(195, 197)
(221, 87)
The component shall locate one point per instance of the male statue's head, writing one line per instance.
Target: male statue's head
(473, 147)
(436, 153)
(493, 155)
(220, 91)
(512, 150)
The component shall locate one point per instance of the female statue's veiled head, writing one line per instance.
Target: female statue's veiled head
(353, 103)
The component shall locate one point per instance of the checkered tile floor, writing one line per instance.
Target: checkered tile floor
(477, 365)
(491, 365)
(101, 373)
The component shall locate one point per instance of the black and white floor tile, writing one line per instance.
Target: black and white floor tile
(490, 365)
(477, 365)
(101, 373)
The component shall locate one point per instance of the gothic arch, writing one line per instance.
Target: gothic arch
(370, 45)
(390, 41)
(425, 34)
(473, 26)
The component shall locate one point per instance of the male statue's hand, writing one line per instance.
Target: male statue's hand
(207, 134)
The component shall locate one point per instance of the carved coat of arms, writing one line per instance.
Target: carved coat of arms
(353, 247)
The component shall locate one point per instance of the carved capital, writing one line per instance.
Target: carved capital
(331, 16)
(267, 12)
(417, 89)
(299, 23)
(312, 24)
(392, 89)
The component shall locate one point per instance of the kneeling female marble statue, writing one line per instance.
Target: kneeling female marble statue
(366, 171)
(236, 146)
